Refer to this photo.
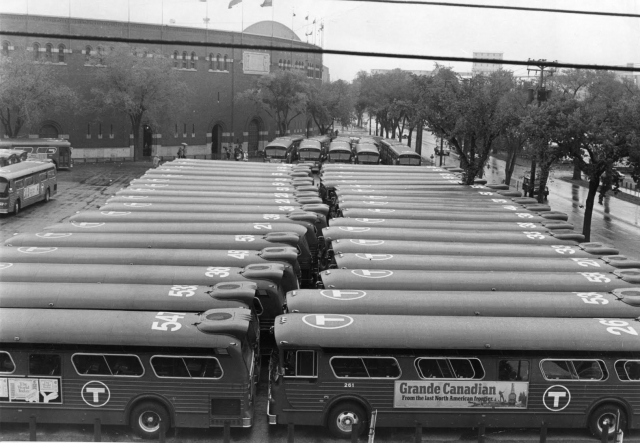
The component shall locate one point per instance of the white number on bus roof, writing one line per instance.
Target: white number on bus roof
(271, 216)
(217, 272)
(246, 238)
(524, 215)
(182, 291)
(595, 277)
(510, 208)
(563, 249)
(533, 235)
(282, 189)
(286, 208)
(499, 200)
(283, 201)
(527, 225)
(262, 226)
(237, 253)
(169, 321)
(281, 195)
(485, 193)
(592, 298)
(586, 262)
(617, 327)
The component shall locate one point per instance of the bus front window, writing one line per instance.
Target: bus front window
(309, 155)
(4, 187)
(275, 153)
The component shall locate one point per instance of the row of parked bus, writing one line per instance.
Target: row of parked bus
(456, 306)
(391, 291)
(315, 151)
(152, 308)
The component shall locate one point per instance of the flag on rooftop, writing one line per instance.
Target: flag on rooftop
(232, 3)
(266, 3)
(307, 17)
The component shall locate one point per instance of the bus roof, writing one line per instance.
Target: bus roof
(9, 142)
(367, 147)
(339, 145)
(454, 333)
(310, 144)
(215, 328)
(17, 170)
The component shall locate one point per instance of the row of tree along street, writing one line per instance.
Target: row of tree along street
(590, 117)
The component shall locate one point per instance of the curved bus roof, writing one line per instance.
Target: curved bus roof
(400, 149)
(216, 328)
(17, 142)
(623, 303)
(294, 331)
(17, 170)
(367, 148)
(310, 144)
(339, 146)
(127, 297)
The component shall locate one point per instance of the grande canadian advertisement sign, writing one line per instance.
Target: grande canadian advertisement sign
(460, 394)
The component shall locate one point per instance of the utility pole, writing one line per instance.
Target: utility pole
(542, 95)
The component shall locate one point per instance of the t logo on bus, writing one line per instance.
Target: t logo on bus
(374, 256)
(556, 398)
(370, 273)
(337, 294)
(383, 211)
(371, 220)
(95, 394)
(53, 234)
(354, 228)
(87, 224)
(331, 321)
(36, 250)
(367, 242)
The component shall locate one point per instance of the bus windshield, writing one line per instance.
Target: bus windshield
(4, 186)
(309, 154)
(368, 158)
(409, 160)
(275, 151)
(340, 155)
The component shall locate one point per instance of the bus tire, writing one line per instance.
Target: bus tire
(16, 207)
(606, 413)
(146, 417)
(47, 195)
(342, 416)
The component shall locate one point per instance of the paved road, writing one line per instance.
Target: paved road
(87, 187)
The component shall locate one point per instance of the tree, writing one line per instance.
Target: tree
(328, 102)
(513, 108)
(146, 89)
(466, 113)
(29, 90)
(283, 95)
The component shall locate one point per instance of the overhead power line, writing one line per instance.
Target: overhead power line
(512, 8)
(319, 51)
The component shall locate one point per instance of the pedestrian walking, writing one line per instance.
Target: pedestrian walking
(228, 152)
(180, 152)
(156, 161)
(184, 150)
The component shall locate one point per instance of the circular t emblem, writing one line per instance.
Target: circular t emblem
(382, 211)
(367, 242)
(87, 224)
(354, 228)
(95, 394)
(53, 234)
(327, 321)
(337, 294)
(372, 273)
(35, 250)
(374, 256)
(556, 398)
(371, 220)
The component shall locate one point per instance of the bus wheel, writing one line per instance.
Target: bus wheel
(343, 416)
(16, 207)
(145, 419)
(47, 195)
(606, 415)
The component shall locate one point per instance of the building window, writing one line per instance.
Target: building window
(193, 60)
(218, 61)
(175, 59)
(36, 51)
(225, 67)
(5, 47)
(212, 66)
(87, 53)
(88, 130)
(61, 53)
(111, 131)
(184, 60)
(100, 130)
(184, 129)
(193, 129)
(48, 54)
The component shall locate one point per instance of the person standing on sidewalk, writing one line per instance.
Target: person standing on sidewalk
(184, 150)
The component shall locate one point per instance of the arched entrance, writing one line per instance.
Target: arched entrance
(48, 131)
(147, 140)
(216, 142)
(254, 137)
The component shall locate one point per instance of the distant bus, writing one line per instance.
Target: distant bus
(335, 370)
(394, 153)
(56, 150)
(339, 152)
(281, 150)
(366, 154)
(128, 367)
(11, 156)
(25, 183)
(311, 151)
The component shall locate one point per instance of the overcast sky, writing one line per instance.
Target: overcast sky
(393, 28)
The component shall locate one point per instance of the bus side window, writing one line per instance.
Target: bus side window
(203, 367)
(6, 363)
(125, 365)
(382, 367)
(90, 364)
(574, 370)
(51, 173)
(306, 364)
(43, 177)
(628, 370)
(513, 370)
(19, 184)
(348, 367)
(44, 364)
(169, 367)
(433, 368)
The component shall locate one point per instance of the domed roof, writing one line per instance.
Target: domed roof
(270, 28)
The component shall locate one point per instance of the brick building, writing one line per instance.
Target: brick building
(214, 73)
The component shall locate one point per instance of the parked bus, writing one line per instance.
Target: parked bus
(11, 156)
(339, 152)
(395, 153)
(366, 154)
(619, 303)
(128, 367)
(25, 183)
(56, 150)
(281, 150)
(335, 370)
(311, 152)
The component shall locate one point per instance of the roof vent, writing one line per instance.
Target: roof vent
(228, 286)
(218, 316)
